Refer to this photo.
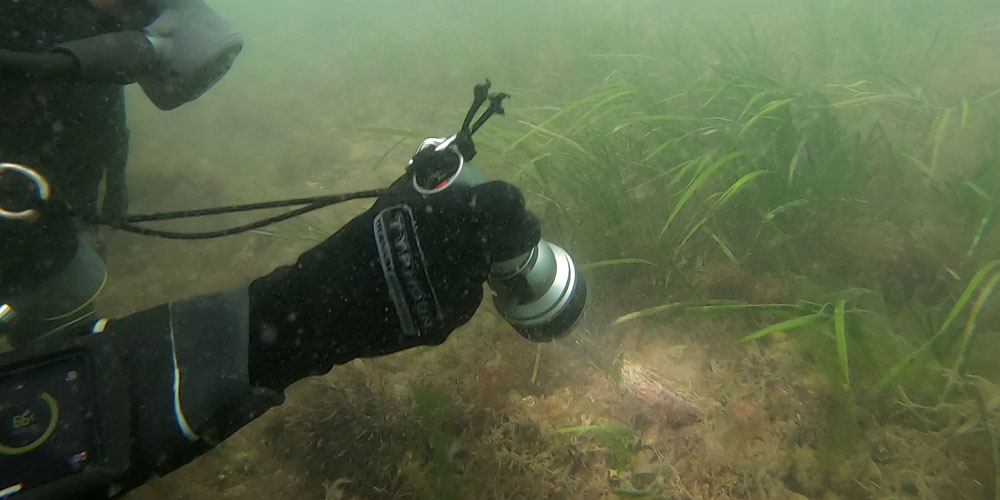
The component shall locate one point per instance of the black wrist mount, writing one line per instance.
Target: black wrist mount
(64, 419)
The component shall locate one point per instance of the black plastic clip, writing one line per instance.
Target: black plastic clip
(481, 94)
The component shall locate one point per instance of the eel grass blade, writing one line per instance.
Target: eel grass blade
(557, 135)
(794, 163)
(695, 165)
(965, 111)
(938, 132)
(785, 207)
(716, 306)
(840, 328)
(726, 250)
(695, 185)
(597, 96)
(630, 493)
(690, 233)
(979, 191)
(769, 108)
(753, 100)
(607, 100)
(739, 185)
(669, 143)
(984, 226)
(967, 294)
(675, 307)
(792, 324)
(892, 377)
(968, 335)
(744, 307)
(618, 262)
(594, 428)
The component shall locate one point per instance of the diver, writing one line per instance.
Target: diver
(109, 404)
(63, 67)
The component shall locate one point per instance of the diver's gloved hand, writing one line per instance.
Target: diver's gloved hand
(405, 273)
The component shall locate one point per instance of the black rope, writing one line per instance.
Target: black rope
(313, 200)
(466, 147)
(311, 203)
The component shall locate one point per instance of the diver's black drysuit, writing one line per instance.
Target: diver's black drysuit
(62, 67)
(63, 64)
(405, 273)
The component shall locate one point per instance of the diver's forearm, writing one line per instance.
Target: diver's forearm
(188, 385)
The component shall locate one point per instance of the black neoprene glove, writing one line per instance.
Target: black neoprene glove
(407, 272)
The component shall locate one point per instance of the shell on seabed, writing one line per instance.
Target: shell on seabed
(653, 394)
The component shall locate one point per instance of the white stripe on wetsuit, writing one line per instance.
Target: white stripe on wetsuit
(182, 423)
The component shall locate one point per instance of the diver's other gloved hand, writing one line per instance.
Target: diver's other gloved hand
(407, 272)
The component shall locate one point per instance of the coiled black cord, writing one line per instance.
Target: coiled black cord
(128, 223)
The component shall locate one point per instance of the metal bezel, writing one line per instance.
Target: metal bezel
(440, 144)
(41, 186)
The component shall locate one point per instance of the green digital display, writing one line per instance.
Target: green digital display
(47, 423)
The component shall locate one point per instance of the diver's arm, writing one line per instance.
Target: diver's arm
(184, 50)
(188, 386)
(201, 368)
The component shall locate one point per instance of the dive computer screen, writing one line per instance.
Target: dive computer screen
(47, 423)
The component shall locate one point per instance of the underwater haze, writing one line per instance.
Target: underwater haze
(784, 210)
